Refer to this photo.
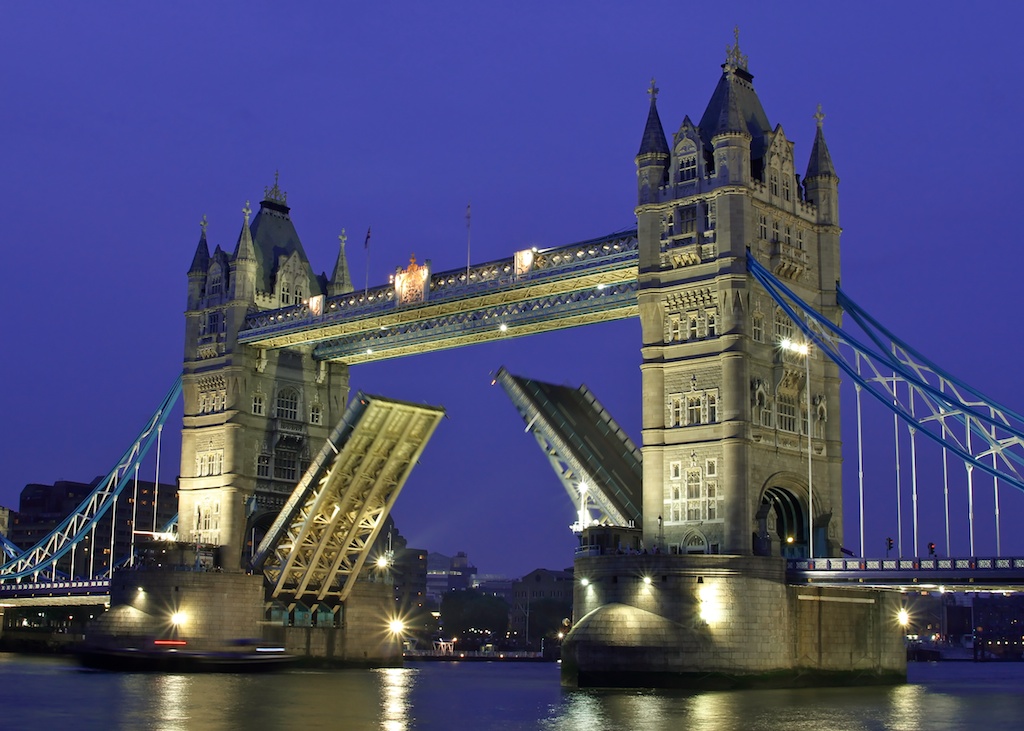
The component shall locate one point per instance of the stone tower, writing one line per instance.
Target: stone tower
(725, 445)
(253, 418)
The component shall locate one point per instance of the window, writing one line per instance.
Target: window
(789, 235)
(711, 322)
(209, 463)
(787, 413)
(688, 220)
(775, 230)
(288, 404)
(673, 328)
(263, 465)
(757, 329)
(687, 168)
(712, 411)
(258, 406)
(783, 326)
(710, 215)
(785, 187)
(800, 238)
(286, 293)
(675, 411)
(693, 409)
(285, 464)
(216, 282)
(316, 414)
(691, 327)
(675, 471)
(214, 323)
(762, 226)
(773, 183)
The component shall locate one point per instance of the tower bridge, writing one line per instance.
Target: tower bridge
(729, 516)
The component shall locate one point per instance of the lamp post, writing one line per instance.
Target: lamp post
(804, 349)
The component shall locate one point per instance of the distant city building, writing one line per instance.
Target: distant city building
(448, 573)
(538, 586)
(43, 507)
(496, 585)
(5, 521)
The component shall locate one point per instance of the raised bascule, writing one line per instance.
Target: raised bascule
(714, 554)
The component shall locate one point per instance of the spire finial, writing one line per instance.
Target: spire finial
(733, 58)
(246, 211)
(342, 238)
(275, 194)
(203, 224)
(819, 116)
(652, 91)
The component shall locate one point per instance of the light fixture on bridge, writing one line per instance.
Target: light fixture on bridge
(647, 581)
(584, 582)
(903, 617)
(396, 626)
(503, 327)
(179, 618)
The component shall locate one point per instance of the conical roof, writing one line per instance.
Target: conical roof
(820, 162)
(653, 141)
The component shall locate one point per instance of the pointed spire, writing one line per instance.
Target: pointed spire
(201, 260)
(654, 142)
(341, 279)
(733, 58)
(730, 119)
(820, 162)
(244, 250)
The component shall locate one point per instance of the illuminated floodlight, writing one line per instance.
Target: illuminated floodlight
(178, 619)
(503, 327)
(396, 626)
(903, 617)
(647, 580)
(584, 582)
(382, 562)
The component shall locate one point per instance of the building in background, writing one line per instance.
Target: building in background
(44, 507)
(540, 601)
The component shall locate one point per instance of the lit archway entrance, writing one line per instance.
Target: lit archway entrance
(781, 524)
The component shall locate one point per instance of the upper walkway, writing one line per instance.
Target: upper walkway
(419, 311)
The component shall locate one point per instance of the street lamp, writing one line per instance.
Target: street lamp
(804, 349)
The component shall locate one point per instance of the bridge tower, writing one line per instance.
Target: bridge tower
(725, 417)
(252, 417)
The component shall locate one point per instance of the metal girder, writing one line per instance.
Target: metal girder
(468, 324)
(609, 261)
(583, 444)
(321, 538)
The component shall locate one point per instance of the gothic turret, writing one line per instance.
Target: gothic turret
(243, 262)
(820, 181)
(341, 279)
(197, 272)
(653, 158)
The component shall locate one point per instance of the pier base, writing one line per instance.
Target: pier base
(707, 621)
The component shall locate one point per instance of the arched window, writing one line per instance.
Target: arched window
(288, 404)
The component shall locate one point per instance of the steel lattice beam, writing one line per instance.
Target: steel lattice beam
(320, 541)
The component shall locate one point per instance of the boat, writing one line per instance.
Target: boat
(177, 659)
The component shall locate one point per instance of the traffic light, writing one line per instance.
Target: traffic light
(888, 544)
(931, 548)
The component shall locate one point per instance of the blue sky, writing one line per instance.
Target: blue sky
(125, 124)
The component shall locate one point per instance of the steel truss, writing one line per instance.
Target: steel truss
(928, 400)
(42, 558)
(594, 451)
(322, 537)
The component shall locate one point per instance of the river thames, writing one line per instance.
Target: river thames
(52, 693)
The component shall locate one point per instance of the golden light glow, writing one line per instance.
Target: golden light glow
(396, 626)
(903, 617)
(382, 562)
(711, 610)
(178, 619)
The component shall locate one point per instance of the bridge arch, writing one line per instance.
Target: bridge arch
(780, 523)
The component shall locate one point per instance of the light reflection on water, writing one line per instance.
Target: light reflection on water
(48, 693)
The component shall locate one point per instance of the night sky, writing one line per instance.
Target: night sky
(124, 124)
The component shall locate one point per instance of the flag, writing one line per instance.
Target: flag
(366, 244)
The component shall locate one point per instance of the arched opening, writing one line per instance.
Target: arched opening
(256, 528)
(781, 525)
(693, 543)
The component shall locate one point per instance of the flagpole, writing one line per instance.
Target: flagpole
(468, 221)
(366, 248)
